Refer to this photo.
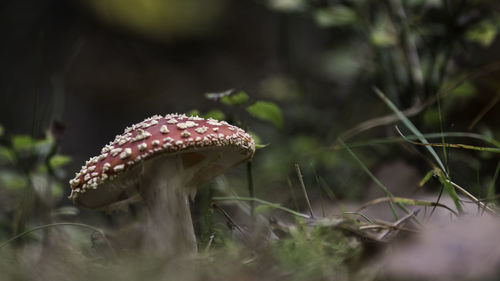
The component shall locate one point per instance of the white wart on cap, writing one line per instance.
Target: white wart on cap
(112, 176)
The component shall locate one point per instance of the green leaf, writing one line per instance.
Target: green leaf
(59, 160)
(214, 114)
(449, 188)
(238, 98)
(256, 139)
(334, 16)
(482, 33)
(260, 146)
(194, 112)
(2, 131)
(22, 142)
(267, 111)
(426, 178)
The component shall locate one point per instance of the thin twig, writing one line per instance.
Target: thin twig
(229, 220)
(385, 120)
(211, 239)
(473, 198)
(397, 223)
(384, 226)
(299, 175)
(483, 112)
(358, 214)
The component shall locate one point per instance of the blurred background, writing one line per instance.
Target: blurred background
(75, 73)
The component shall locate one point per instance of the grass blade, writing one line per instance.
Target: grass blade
(406, 201)
(486, 139)
(412, 128)
(54, 225)
(263, 202)
(375, 180)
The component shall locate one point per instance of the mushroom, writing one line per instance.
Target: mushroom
(160, 161)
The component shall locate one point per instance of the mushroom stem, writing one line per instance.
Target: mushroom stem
(170, 231)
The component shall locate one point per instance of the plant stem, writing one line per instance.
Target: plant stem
(299, 175)
(250, 187)
(54, 225)
(260, 201)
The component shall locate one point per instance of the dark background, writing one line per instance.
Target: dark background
(72, 63)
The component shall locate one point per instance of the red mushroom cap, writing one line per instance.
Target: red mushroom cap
(161, 136)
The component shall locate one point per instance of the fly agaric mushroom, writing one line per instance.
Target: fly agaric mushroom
(161, 161)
